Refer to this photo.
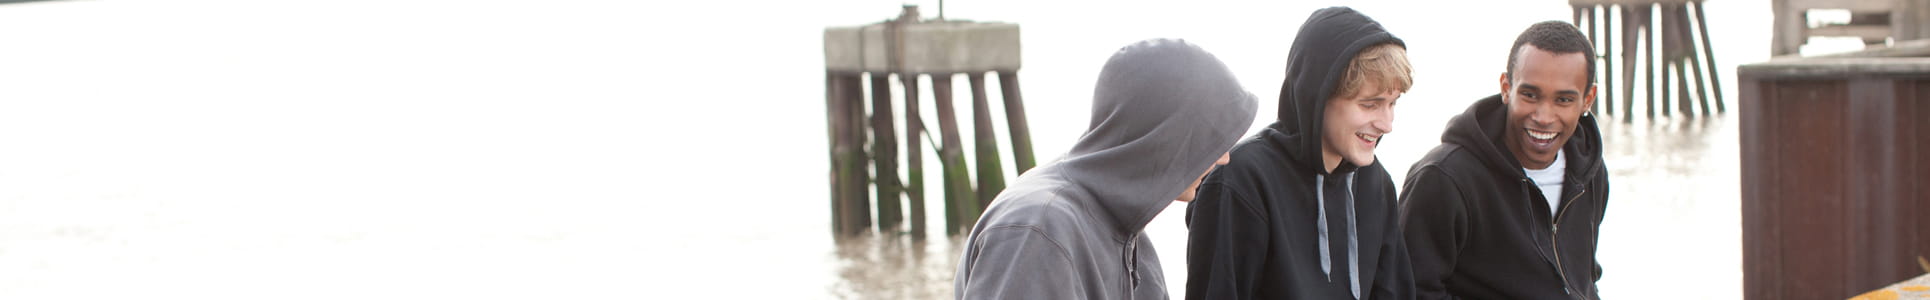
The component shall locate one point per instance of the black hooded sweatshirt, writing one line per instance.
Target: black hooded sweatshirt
(1274, 223)
(1479, 228)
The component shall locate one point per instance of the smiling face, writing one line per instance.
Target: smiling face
(1353, 126)
(1546, 94)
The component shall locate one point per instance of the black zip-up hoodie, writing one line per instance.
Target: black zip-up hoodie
(1274, 223)
(1478, 228)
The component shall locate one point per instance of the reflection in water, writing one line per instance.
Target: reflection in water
(1665, 146)
(1673, 228)
(870, 267)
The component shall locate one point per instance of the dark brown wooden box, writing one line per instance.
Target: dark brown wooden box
(1835, 172)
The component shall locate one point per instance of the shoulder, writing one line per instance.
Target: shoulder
(1254, 150)
(1439, 177)
(1451, 160)
(1042, 201)
(1251, 163)
(1443, 154)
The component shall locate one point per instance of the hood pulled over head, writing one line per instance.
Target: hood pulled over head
(1318, 61)
(1163, 111)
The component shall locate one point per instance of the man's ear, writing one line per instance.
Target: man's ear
(1588, 100)
(1505, 86)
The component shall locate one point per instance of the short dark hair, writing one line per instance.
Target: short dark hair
(1557, 37)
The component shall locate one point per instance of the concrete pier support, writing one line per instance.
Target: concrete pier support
(910, 47)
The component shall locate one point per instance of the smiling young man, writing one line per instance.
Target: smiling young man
(1508, 205)
(1304, 211)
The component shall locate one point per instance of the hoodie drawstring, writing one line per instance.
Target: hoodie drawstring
(1353, 233)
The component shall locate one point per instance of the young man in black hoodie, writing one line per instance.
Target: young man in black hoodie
(1304, 211)
(1508, 205)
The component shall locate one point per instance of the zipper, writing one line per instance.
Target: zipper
(1132, 267)
(1554, 228)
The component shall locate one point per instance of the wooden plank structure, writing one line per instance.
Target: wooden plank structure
(1874, 21)
(1677, 47)
(910, 48)
(1835, 172)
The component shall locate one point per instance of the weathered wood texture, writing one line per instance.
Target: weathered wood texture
(911, 48)
(1015, 120)
(884, 156)
(1835, 180)
(960, 201)
(991, 174)
(1669, 30)
(851, 201)
(1872, 20)
(914, 155)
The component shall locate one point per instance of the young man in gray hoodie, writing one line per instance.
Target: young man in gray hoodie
(1163, 114)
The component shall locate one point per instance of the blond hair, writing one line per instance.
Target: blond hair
(1385, 65)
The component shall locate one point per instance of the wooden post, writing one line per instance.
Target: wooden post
(1682, 88)
(1607, 89)
(847, 181)
(1667, 31)
(858, 201)
(991, 173)
(1709, 53)
(834, 125)
(914, 156)
(1695, 67)
(1650, 46)
(1665, 85)
(1590, 9)
(1678, 50)
(1576, 11)
(1579, 10)
(1632, 23)
(1576, 19)
(1791, 28)
(1015, 121)
(960, 203)
(884, 148)
(941, 90)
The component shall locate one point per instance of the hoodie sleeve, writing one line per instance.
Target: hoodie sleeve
(1600, 213)
(1019, 263)
(1226, 236)
(1395, 279)
(1436, 226)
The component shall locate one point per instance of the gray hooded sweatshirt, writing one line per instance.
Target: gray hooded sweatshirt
(1162, 113)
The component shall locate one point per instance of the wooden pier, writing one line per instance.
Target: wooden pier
(1640, 22)
(909, 49)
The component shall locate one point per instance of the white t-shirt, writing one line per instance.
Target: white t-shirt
(1549, 180)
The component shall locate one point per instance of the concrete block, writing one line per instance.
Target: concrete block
(928, 47)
